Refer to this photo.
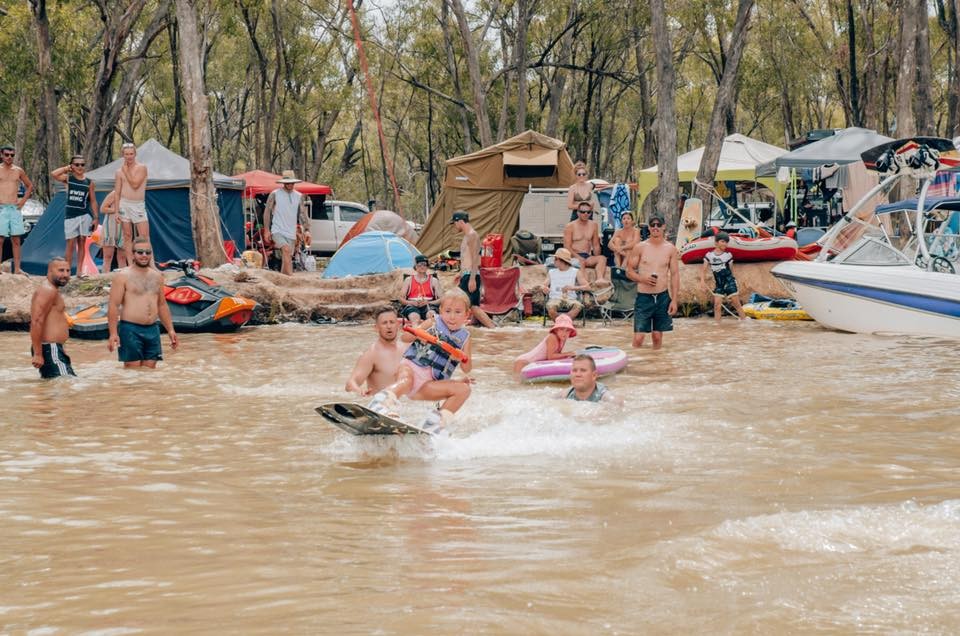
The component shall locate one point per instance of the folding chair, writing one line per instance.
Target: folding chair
(501, 295)
(622, 300)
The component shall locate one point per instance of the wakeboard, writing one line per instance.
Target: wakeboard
(910, 152)
(359, 420)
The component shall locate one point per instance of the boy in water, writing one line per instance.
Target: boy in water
(720, 261)
(426, 369)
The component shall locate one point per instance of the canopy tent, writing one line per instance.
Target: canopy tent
(168, 209)
(490, 183)
(263, 182)
(842, 147)
(371, 253)
(739, 159)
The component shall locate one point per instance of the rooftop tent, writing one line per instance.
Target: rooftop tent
(842, 147)
(739, 160)
(371, 253)
(490, 184)
(263, 182)
(168, 209)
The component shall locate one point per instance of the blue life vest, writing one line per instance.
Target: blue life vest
(433, 357)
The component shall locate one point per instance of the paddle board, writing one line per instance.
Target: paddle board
(691, 222)
(359, 420)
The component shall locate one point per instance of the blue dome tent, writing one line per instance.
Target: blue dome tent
(371, 253)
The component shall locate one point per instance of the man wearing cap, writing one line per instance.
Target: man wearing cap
(284, 210)
(582, 238)
(11, 203)
(654, 266)
(470, 265)
(563, 283)
(420, 293)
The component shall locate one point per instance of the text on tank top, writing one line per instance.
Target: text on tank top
(78, 194)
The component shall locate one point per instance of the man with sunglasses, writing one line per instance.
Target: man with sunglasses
(81, 213)
(654, 265)
(11, 219)
(582, 237)
(136, 304)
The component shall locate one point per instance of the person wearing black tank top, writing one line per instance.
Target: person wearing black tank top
(81, 214)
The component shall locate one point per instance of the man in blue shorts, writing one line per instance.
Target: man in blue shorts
(11, 219)
(654, 265)
(136, 304)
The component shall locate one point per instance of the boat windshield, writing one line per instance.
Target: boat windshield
(873, 250)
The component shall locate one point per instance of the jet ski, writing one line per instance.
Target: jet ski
(196, 304)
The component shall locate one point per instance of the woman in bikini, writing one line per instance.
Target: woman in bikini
(582, 190)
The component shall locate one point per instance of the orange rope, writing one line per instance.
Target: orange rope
(375, 107)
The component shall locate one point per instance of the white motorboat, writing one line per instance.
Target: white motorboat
(880, 273)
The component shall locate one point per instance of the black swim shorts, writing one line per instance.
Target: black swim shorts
(475, 295)
(650, 313)
(138, 342)
(56, 362)
(409, 310)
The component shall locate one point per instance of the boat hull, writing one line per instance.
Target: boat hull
(875, 299)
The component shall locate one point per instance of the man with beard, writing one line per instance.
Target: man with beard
(48, 323)
(138, 289)
(377, 366)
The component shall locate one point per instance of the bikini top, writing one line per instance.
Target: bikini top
(577, 196)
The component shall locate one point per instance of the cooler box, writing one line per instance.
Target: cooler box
(491, 251)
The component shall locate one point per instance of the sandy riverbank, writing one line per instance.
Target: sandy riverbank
(306, 296)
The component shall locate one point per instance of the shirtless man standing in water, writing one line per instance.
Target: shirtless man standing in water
(139, 290)
(654, 265)
(582, 237)
(470, 265)
(48, 323)
(131, 187)
(377, 366)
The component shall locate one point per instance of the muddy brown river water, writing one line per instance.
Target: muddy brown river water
(762, 478)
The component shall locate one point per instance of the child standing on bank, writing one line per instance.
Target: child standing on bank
(425, 370)
(551, 347)
(720, 262)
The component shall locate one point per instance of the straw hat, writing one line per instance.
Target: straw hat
(564, 255)
(289, 177)
(563, 321)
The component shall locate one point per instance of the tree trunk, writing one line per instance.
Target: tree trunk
(204, 212)
(666, 120)
(907, 72)
(473, 69)
(725, 94)
(559, 80)
(20, 137)
(924, 100)
(453, 69)
(48, 95)
(520, 62)
(856, 109)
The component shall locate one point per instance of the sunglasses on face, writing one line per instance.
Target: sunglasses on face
(656, 225)
(147, 252)
(585, 211)
(8, 154)
(581, 174)
(79, 165)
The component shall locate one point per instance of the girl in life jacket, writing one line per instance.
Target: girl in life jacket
(426, 369)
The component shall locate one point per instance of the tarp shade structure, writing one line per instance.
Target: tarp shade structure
(842, 147)
(490, 184)
(371, 253)
(263, 182)
(739, 160)
(168, 210)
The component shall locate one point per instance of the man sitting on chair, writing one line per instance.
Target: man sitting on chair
(582, 237)
(420, 293)
(562, 286)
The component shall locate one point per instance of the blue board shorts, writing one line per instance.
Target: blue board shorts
(138, 342)
(474, 295)
(11, 220)
(651, 313)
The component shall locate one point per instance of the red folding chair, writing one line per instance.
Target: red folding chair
(501, 291)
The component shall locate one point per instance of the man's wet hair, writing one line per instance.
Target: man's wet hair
(141, 240)
(722, 236)
(384, 310)
(583, 356)
(56, 259)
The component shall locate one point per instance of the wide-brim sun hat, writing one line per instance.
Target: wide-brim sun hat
(289, 176)
(564, 255)
(564, 321)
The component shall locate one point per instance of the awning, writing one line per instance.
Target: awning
(531, 157)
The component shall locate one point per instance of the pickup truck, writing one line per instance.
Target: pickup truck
(330, 222)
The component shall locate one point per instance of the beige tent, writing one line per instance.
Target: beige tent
(490, 184)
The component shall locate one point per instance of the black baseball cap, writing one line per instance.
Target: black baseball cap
(420, 258)
(460, 215)
(656, 217)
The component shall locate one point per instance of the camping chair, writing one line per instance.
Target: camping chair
(501, 293)
(526, 247)
(586, 298)
(622, 300)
